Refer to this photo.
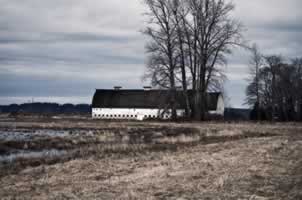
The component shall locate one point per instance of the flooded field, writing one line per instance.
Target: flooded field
(63, 158)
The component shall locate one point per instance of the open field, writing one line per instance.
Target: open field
(73, 158)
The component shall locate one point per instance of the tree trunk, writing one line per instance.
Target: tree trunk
(185, 92)
(300, 110)
(173, 104)
(203, 89)
(197, 105)
(184, 78)
(173, 93)
(274, 104)
(203, 104)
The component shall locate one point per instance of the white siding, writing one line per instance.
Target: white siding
(220, 107)
(130, 113)
(141, 114)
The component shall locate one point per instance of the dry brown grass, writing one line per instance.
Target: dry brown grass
(211, 161)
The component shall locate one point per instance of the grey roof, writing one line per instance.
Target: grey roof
(143, 99)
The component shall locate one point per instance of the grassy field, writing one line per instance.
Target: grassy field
(71, 158)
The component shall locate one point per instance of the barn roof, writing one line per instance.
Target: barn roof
(143, 99)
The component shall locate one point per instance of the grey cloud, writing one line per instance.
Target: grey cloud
(72, 48)
(293, 26)
(67, 48)
(54, 37)
(65, 81)
(78, 57)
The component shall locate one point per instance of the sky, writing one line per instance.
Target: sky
(62, 50)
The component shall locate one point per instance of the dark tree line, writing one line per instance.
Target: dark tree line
(188, 44)
(46, 108)
(275, 87)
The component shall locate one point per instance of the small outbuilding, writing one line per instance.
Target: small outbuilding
(144, 104)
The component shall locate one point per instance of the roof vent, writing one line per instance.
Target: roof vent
(117, 87)
(147, 88)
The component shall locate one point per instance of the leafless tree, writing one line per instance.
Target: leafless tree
(297, 64)
(274, 63)
(254, 88)
(162, 47)
(279, 88)
(179, 14)
(215, 33)
(190, 39)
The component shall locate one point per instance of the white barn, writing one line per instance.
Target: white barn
(144, 104)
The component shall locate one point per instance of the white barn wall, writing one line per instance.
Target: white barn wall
(130, 113)
(141, 114)
(220, 107)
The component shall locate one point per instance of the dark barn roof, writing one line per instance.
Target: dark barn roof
(143, 99)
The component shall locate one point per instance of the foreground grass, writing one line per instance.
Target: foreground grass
(268, 168)
(218, 165)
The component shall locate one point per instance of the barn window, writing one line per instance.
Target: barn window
(127, 115)
(135, 116)
(131, 116)
(149, 116)
(124, 116)
(119, 115)
(111, 116)
(154, 116)
(114, 115)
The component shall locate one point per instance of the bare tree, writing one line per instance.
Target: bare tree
(179, 14)
(215, 33)
(297, 64)
(190, 39)
(162, 47)
(278, 89)
(254, 88)
(273, 63)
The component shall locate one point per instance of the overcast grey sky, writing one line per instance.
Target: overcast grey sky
(61, 50)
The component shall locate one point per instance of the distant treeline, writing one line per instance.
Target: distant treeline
(275, 87)
(46, 108)
(55, 108)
